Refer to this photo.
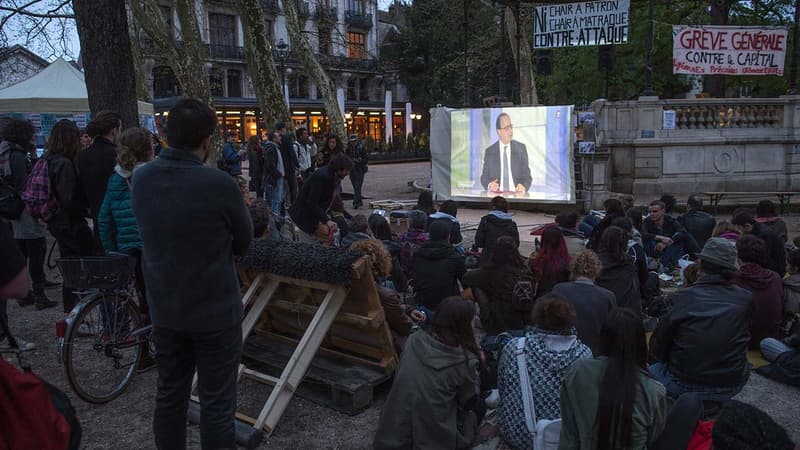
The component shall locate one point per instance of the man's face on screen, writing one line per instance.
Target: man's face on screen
(506, 130)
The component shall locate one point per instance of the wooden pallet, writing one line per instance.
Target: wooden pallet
(392, 205)
(343, 322)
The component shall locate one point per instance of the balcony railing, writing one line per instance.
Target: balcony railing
(342, 62)
(325, 12)
(226, 52)
(726, 113)
(270, 6)
(358, 19)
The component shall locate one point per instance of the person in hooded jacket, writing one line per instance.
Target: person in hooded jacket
(434, 401)
(766, 287)
(494, 225)
(619, 272)
(767, 216)
(776, 251)
(551, 346)
(447, 214)
(437, 268)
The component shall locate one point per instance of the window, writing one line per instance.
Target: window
(166, 12)
(298, 86)
(234, 83)
(270, 29)
(356, 6)
(325, 41)
(222, 30)
(215, 81)
(363, 89)
(351, 89)
(164, 83)
(356, 47)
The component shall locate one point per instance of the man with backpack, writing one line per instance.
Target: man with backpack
(96, 164)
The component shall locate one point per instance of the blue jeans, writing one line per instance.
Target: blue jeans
(587, 224)
(669, 256)
(676, 388)
(357, 179)
(274, 195)
(771, 348)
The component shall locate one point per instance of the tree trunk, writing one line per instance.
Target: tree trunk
(261, 64)
(521, 49)
(303, 50)
(107, 58)
(715, 84)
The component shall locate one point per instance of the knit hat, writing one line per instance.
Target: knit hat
(721, 252)
(741, 426)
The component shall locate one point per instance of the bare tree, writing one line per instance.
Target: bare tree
(45, 26)
(517, 27)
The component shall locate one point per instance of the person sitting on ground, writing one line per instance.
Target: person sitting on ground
(400, 318)
(639, 259)
(550, 264)
(766, 287)
(767, 216)
(592, 303)
(359, 230)
(791, 293)
(260, 215)
(433, 402)
(776, 251)
(726, 230)
(496, 282)
(425, 203)
(619, 272)
(700, 345)
(567, 222)
(447, 214)
(742, 426)
(663, 236)
(613, 210)
(690, 275)
(381, 230)
(609, 401)
(551, 346)
(698, 224)
(437, 268)
(494, 225)
(412, 239)
(636, 216)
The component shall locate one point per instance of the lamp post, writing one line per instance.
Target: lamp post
(282, 52)
(648, 87)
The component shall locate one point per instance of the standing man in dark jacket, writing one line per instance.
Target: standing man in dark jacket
(698, 223)
(358, 154)
(663, 236)
(494, 225)
(701, 344)
(290, 166)
(273, 172)
(193, 221)
(311, 210)
(437, 268)
(776, 251)
(96, 164)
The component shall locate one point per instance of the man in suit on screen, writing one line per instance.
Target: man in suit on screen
(505, 163)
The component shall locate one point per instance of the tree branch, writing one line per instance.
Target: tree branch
(45, 15)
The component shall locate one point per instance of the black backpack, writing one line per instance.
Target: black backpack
(11, 204)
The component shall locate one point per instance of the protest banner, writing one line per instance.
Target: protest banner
(728, 50)
(581, 24)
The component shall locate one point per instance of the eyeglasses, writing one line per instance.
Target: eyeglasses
(507, 127)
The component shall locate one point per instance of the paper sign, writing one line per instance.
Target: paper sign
(581, 24)
(669, 119)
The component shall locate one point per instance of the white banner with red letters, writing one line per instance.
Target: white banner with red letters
(728, 50)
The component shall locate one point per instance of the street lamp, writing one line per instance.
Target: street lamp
(282, 52)
(648, 87)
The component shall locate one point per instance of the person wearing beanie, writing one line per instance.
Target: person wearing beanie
(741, 426)
(700, 345)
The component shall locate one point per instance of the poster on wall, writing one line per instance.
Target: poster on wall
(521, 153)
(581, 24)
(728, 50)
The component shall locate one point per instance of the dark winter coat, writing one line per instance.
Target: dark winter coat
(777, 225)
(670, 228)
(119, 231)
(95, 165)
(426, 408)
(597, 231)
(289, 156)
(767, 289)
(700, 225)
(255, 159)
(271, 171)
(71, 211)
(358, 154)
(592, 304)
(452, 222)
(621, 278)
(436, 272)
(494, 225)
(776, 250)
(315, 198)
(498, 284)
(703, 338)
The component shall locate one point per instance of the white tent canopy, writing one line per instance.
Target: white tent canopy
(59, 88)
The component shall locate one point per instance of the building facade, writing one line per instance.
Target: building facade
(17, 63)
(343, 33)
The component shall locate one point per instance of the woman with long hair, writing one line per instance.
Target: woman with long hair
(613, 209)
(255, 156)
(550, 265)
(68, 224)
(425, 203)
(619, 273)
(610, 402)
(433, 402)
(492, 286)
(382, 231)
(118, 229)
(333, 146)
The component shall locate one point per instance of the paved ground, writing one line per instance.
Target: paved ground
(125, 423)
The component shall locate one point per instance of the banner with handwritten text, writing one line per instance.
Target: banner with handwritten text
(581, 24)
(728, 50)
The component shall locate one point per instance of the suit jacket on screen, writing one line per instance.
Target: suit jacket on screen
(520, 171)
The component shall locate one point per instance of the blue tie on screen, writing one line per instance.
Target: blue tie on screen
(506, 169)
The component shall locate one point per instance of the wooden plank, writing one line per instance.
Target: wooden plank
(343, 317)
(252, 289)
(260, 377)
(384, 365)
(258, 307)
(305, 283)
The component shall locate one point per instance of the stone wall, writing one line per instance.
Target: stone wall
(716, 145)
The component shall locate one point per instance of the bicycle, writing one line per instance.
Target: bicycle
(103, 338)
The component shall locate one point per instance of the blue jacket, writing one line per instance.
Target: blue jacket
(118, 229)
(231, 155)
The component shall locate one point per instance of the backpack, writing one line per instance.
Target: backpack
(407, 255)
(523, 295)
(546, 433)
(39, 197)
(11, 204)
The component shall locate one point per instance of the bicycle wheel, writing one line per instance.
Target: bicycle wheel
(100, 353)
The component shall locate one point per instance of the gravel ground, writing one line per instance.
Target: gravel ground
(125, 423)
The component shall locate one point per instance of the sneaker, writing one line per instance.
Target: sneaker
(24, 346)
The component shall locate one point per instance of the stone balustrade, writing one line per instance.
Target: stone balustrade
(726, 113)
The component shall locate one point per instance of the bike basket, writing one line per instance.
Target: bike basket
(95, 272)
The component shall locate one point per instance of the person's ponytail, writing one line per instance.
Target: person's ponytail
(135, 145)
